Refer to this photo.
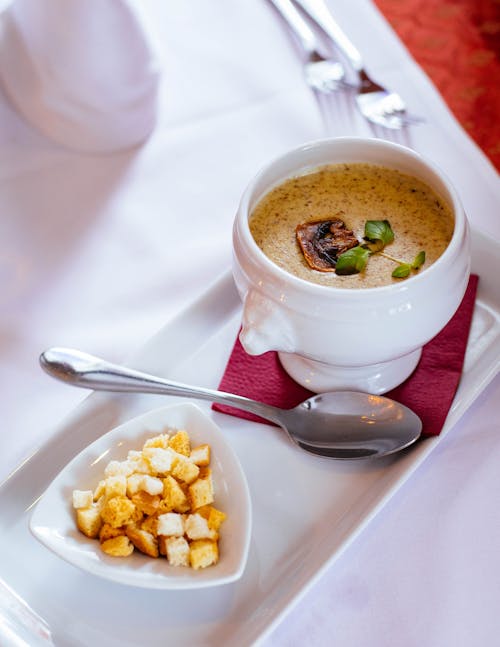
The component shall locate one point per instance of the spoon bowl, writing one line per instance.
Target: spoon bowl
(350, 424)
(339, 425)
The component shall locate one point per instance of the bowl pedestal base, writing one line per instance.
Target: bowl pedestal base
(374, 378)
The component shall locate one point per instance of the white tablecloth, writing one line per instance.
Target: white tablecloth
(98, 252)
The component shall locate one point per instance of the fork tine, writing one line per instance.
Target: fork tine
(397, 120)
(412, 119)
(346, 85)
(406, 119)
(331, 86)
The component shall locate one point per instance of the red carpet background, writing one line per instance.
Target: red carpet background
(457, 43)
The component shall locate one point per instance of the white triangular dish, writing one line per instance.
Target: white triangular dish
(53, 519)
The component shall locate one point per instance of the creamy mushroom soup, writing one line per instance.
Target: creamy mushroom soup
(353, 193)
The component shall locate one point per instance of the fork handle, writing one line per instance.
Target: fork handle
(297, 24)
(320, 14)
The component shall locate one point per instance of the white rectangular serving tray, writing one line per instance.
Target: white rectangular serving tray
(297, 531)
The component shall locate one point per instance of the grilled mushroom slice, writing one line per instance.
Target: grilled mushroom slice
(322, 242)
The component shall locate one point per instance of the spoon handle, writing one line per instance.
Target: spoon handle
(81, 369)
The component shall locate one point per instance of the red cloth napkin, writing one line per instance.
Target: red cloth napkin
(429, 391)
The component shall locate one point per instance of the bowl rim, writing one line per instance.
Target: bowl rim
(241, 229)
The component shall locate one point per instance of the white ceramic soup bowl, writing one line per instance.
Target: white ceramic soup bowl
(367, 339)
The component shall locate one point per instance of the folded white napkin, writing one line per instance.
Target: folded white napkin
(83, 73)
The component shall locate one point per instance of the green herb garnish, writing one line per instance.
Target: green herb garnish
(379, 231)
(402, 271)
(418, 261)
(378, 234)
(353, 261)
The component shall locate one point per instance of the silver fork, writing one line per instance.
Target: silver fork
(377, 104)
(322, 74)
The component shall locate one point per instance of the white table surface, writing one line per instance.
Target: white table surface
(98, 252)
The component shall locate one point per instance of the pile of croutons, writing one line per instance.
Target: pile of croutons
(158, 501)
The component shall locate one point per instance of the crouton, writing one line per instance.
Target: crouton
(197, 528)
(143, 540)
(200, 455)
(89, 521)
(205, 472)
(145, 502)
(157, 441)
(180, 443)
(184, 470)
(115, 486)
(138, 462)
(82, 499)
(99, 504)
(119, 546)
(174, 497)
(118, 468)
(150, 524)
(133, 483)
(100, 490)
(216, 518)
(201, 492)
(203, 553)
(158, 459)
(204, 511)
(151, 484)
(212, 515)
(176, 550)
(108, 532)
(118, 511)
(171, 524)
(162, 544)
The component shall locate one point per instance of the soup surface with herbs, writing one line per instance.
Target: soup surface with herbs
(354, 194)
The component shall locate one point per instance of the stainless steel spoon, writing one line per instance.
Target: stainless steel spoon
(340, 425)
